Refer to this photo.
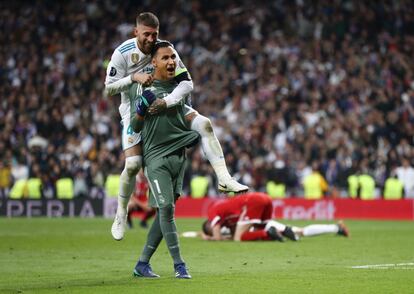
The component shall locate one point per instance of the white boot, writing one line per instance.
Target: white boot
(119, 225)
(231, 185)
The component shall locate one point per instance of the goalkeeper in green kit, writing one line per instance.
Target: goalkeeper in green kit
(165, 137)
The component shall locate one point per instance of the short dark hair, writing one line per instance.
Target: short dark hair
(160, 44)
(148, 19)
(206, 227)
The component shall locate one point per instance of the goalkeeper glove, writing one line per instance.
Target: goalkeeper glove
(145, 100)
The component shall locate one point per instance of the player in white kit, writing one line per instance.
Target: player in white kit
(131, 63)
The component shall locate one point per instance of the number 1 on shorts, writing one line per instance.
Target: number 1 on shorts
(158, 186)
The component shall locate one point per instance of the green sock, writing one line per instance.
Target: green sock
(154, 238)
(169, 231)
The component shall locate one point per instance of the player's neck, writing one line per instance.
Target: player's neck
(161, 78)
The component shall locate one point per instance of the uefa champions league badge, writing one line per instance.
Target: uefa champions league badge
(112, 72)
(134, 58)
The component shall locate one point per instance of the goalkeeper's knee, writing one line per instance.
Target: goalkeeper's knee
(167, 213)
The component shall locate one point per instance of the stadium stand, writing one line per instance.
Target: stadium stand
(286, 83)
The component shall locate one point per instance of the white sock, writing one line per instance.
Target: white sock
(278, 226)
(313, 230)
(127, 181)
(211, 146)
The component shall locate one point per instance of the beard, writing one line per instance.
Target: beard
(146, 47)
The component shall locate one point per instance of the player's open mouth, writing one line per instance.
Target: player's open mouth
(170, 69)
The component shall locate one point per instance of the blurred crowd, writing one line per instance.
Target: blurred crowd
(287, 84)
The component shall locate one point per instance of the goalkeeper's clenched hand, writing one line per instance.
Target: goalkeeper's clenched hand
(158, 106)
(145, 100)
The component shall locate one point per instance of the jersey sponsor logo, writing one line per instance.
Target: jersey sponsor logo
(148, 69)
(135, 58)
(112, 72)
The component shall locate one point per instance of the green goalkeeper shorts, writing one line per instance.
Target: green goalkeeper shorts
(165, 178)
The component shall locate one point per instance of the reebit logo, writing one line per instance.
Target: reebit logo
(322, 210)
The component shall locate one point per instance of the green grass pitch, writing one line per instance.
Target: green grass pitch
(42, 255)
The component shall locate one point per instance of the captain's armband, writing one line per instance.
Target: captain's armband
(183, 76)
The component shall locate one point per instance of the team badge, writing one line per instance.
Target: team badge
(181, 64)
(134, 57)
(112, 72)
(130, 140)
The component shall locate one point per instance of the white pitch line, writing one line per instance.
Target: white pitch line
(386, 265)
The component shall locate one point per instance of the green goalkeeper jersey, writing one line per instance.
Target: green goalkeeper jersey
(166, 132)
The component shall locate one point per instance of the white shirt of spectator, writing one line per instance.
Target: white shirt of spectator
(406, 175)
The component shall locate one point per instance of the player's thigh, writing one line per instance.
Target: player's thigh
(130, 139)
(267, 212)
(160, 182)
(257, 209)
(252, 215)
(134, 150)
(262, 205)
(179, 164)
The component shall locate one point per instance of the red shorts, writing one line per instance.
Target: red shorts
(257, 210)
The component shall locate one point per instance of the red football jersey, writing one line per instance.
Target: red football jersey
(247, 208)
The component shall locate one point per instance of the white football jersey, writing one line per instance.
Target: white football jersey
(128, 59)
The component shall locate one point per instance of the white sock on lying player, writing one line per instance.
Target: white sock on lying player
(313, 230)
(278, 226)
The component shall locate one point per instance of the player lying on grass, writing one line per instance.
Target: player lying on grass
(293, 233)
(248, 218)
(165, 137)
(240, 214)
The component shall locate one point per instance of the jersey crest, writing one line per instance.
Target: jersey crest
(135, 58)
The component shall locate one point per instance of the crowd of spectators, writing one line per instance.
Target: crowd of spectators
(285, 83)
